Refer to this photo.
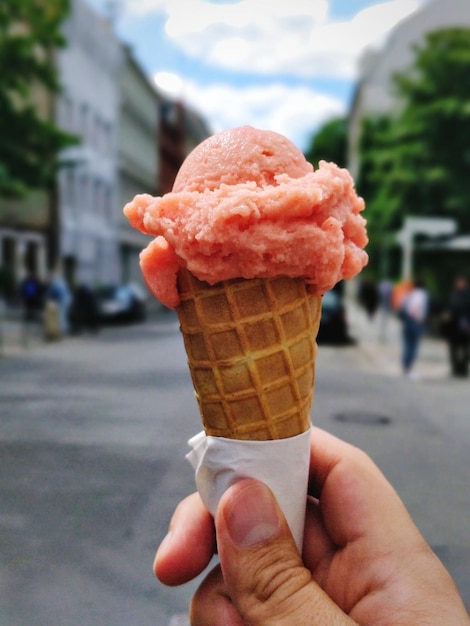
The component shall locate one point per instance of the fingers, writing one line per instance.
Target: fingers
(356, 500)
(318, 548)
(189, 545)
(360, 544)
(262, 569)
(212, 606)
(325, 453)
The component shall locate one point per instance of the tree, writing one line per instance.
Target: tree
(29, 140)
(417, 161)
(434, 130)
(330, 143)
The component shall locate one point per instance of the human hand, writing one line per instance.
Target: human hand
(364, 561)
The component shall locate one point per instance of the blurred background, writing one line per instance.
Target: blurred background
(101, 100)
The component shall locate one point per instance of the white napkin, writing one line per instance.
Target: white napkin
(282, 464)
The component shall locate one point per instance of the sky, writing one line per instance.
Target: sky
(282, 65)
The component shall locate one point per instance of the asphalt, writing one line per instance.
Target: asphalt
(417, 413)
(378, 340)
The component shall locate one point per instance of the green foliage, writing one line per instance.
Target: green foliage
(29, 142)
(330, 143)
(417, 162)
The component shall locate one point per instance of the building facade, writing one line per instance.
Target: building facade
(181, 130)
(89, 70)
(24, 224)
(138, 157)
(23, 240)
(131, 140)
(374, 92)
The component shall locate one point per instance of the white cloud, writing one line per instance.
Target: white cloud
(141, 7)
(169, 83)
(287, 110)
(290, 36)
(281, 38)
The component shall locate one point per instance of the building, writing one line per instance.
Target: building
(374, 92)
(196, 129)
(87, 221)
(24, 223)
(171, 143)
(128, 146)
(23, 239)
(138, 156)
(181, 130)
(131, 140)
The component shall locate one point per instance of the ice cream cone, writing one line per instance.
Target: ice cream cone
(251, 347)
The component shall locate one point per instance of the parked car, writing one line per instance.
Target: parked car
(333, 323)
(83, 312)
(121, 303)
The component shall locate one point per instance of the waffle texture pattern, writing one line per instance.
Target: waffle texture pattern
(251, 347)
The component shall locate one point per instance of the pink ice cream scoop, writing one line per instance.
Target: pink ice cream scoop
(246, 204)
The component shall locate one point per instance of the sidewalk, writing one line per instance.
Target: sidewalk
(16, 335)
(379, 345)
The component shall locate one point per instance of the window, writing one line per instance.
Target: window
(96, 138)
(97, 200)
(107, 138)
(66, 113)
(84, 194)
(84, 122)
(108, 203)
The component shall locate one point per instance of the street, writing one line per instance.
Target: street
(92, 441)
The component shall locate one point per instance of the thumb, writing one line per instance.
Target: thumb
(262, 569)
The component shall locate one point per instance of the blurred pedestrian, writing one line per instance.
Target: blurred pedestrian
(369, 297)
(455, 326)
(31, 293)
(400, 291)
(413, 314)
(58, 300)
(385, 306)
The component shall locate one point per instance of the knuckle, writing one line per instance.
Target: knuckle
(276, 590)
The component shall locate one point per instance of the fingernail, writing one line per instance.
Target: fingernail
(251, 516)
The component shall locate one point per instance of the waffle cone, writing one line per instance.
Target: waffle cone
(251, 347)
